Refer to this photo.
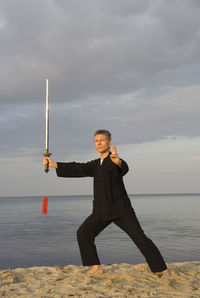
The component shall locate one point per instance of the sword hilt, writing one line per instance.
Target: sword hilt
(46, 168)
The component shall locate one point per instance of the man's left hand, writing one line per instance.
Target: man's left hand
(115, 157)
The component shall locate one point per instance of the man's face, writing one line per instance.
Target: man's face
(102, 143)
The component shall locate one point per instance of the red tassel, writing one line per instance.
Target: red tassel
(45, 206)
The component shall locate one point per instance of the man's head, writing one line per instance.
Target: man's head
(102, 140)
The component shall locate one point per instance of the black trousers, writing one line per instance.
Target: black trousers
(129, 223)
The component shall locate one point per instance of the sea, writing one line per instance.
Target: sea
(28, 238)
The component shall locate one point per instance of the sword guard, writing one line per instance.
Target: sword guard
(46, 168)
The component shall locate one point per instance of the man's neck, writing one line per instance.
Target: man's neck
(104, 154)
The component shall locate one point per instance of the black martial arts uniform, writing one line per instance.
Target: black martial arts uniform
(111, 204)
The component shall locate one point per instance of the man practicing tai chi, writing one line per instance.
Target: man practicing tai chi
(111, 204)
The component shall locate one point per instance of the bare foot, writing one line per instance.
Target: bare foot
(95, 269)
(164, 274)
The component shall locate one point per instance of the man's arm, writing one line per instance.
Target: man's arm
(124, 167)
(118, 161)
(71, 169)
(75, 169)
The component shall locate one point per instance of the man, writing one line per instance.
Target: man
(111, 204)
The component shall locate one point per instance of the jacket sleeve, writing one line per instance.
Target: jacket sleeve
(75, 169)
(124, 168)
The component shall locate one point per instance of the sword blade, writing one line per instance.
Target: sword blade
(47, 116)
(46, 153)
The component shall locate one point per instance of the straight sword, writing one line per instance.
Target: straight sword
(46, 153)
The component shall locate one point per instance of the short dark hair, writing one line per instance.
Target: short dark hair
(103, 132)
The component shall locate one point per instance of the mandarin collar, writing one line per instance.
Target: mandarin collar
(105, 158)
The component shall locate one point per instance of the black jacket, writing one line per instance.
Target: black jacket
(110, 196)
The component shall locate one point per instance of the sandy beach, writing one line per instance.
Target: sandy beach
(118, 280)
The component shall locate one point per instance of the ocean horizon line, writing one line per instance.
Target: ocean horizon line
(90, 195)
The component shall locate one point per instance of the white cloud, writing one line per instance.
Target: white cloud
(165, 166)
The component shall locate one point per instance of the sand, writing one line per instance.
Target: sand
(118, 280)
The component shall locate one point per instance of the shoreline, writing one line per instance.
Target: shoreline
(118, 280)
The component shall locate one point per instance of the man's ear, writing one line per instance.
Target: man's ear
(110, 143)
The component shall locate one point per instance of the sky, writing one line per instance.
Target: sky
(131, 67)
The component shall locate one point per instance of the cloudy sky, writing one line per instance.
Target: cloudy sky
(132, 67)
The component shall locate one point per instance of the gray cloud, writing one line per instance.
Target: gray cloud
(98, 47)
(132, 67)
(130, 119)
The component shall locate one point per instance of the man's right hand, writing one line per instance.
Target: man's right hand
(48, 161)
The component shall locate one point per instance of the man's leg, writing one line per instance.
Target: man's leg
(86, 234)
(130, 224)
